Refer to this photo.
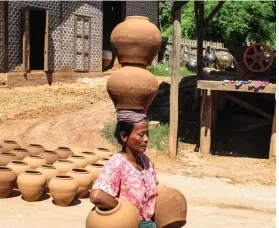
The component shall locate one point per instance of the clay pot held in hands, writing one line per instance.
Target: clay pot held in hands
(8, 145)
(102, 152)
(35, 149)
(94, 169)
(34, 161)
(64, 152)
(136, 41)
(79, 160)
(64, 165)
(6, 158)
(115, 218)
(90, 156)
(7, 181)
(31, 184)
(132, 88)
(63, 189)
(171, 207)
(20, 153)
(84, 180)
(50, 156)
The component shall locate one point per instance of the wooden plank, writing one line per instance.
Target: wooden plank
(26, 40)
(214, 113)
(205, 122)
(253, 126)
(221, 86)
(248, 106)
(173, 130)
(272, 148)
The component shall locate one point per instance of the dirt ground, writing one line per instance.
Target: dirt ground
(221, 190)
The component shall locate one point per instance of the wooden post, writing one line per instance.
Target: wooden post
(173, 130)
(272, 148)
(199, 14)
(205, 131)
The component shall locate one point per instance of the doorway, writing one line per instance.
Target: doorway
(37, 39)
(114, 12)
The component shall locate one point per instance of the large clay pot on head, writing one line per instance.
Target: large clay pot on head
(103, 161)
(7, 181)
(8, 145)
(79, 160)
(6, 158)
(63, 189)
(20, 153)
(64, 165)
(98, 218)
(171, 207)
(50, 156)
(34, 161)
(224, 61)
(94, 169)
(132, 88)
(136, 41)
(64, 152)
(102, 152)
(35, 149)
(90, 156)
(49, 171)
(84, 180)
(31, 184)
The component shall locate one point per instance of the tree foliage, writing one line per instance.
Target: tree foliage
(237, 22)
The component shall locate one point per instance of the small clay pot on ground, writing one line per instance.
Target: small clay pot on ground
(49, 171)
(7, 181)
(18, 166)
(20, 153)
(79, 160)
(90, 156)
(103, 161)
(64, 165)
(34, 161)
(84, 180)
(98, 218)
(1, 149)
(31, 184)
(50, 156)
(6, 158)
(63, 189)
(8, 145)
(102, 152)
(64, 152)
(35, 149)
(94, 169)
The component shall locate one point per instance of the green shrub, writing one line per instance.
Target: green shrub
(165, 70)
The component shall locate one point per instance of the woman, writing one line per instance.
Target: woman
(129, 174)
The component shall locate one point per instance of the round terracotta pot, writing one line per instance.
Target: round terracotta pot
(136, 41)
(90, 156)
(31, 184)
(64, 152)
(94, 169)
(103, 161)
(7, 181)
(79, 160)
(84, 180)
(35, 149)
(34, 161)
(63, 189)
(49, 171)
(171, 207)
(132, 88)
(18, 166)
(224, 62)
(8, 145)
(102, 152)
(50, 156)
(114, 218)
(6, 158)
(1, 149)
(20, 153)
(64, 165)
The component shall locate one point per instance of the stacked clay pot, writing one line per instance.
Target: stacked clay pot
(115, 218)
(7, 181)
(64, 152)
(8, 145)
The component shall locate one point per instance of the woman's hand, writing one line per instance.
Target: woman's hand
(102, 199)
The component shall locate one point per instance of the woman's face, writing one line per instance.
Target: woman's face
(138, 139)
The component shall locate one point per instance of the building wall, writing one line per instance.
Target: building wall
(2, 36)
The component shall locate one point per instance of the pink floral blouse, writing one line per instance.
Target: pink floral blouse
(121, 179)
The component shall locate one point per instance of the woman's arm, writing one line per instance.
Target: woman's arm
(102, 199)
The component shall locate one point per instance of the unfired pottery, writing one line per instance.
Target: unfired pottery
(6, 157)
(79, 160)
(84, 180)
(35, 149)
(64, 165)
(63, 189)
(103, 161)
(132, 88)
(64, 152)
(20, 153)
(34, 161)
(7, 181)
(102, 152)
(8, 145)
(94, 169)
(115, 218)
(90, 156)
(31, 184)
(136, 41)
(1, 149)
(171, 207)
(49, 171)
(50, 156)
(18, 166)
